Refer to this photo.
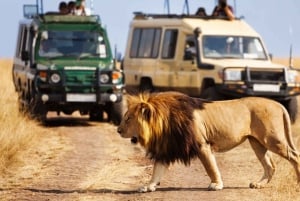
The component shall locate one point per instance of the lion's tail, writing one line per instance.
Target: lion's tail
(288, 132)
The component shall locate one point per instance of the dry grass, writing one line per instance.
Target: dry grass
(285, 61)
(17, 132)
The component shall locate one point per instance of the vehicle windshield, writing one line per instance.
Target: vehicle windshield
(237, 47)
(77, 44)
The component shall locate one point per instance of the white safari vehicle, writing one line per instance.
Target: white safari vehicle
(204, 57)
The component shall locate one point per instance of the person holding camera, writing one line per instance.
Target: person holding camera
(223, 10)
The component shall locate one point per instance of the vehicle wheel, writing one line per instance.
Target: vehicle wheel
(96, 114)
(292, 108)
(37, 109)
(146, 85)
(211, 94)
(115, 112)
(22, 104)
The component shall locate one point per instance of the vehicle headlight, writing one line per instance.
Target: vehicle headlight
(104, 78)
(116, 77)
(292, 76)
(232, 75)
(55, 78)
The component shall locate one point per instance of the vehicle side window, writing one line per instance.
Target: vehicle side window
(22, 40)
(169, 43)
(145, 43)
(189, 48)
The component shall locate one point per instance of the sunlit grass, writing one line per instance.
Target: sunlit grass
(17, 132)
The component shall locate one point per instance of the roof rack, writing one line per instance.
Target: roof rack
(141, 15)
(56, 17)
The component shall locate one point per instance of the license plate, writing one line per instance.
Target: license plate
(266, 87)
(81, 97)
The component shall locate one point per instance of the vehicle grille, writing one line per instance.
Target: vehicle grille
(80, 81)
(264, 76)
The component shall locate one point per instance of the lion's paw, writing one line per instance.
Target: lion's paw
(255, 185)
(215, 186)
(145, 189)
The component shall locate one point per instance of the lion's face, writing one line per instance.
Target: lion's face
(129, 126)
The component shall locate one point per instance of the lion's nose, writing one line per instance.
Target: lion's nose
(119, 130)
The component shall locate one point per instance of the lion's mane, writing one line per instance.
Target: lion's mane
(166, 125)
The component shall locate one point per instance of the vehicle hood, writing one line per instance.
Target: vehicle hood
(243, 63)
(58, 64)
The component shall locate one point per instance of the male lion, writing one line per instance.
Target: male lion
(175, 127)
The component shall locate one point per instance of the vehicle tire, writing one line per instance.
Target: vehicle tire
(22, 105)
(115, 112)
(37, 109)
(146, 85)
(211, 93)
(96, 114)
(292, 108)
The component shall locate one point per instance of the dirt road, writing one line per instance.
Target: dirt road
(81, 160)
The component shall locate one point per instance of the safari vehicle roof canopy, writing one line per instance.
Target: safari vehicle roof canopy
(207, 25)
(32, 11)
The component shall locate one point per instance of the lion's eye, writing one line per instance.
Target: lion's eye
(127, 119)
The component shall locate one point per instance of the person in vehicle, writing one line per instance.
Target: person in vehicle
(80, 7)
(190, 50)
(47, 49)
(63, 8)
(71, 7)
(223, 10)
(201, 12)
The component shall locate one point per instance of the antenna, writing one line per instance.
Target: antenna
(40, 6)
(291, 47)
(167, 4)
(235, 7)
(92, 6)
(186, 5)
(291, 56)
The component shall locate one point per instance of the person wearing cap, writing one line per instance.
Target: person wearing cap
(223, 10)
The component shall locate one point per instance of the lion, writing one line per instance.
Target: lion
(173, 127)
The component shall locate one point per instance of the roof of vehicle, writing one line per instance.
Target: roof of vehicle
(57, 18)
(207, 25)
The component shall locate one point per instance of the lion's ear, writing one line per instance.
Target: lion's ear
(146, 111)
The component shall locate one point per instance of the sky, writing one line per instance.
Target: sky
(277, 21)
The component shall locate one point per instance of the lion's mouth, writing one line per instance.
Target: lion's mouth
(134, 140)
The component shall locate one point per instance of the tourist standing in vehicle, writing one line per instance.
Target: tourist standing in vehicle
(201, 12)
(71, 7)
(223, 10)
(63, 8)
(80, 7)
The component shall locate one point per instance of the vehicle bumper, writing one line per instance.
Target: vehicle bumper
(81, 98)
(281, 93)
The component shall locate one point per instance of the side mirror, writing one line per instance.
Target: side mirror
(25, 55)
(188, 55)
(271, 56)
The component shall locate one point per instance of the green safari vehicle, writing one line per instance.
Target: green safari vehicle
(64, 63)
